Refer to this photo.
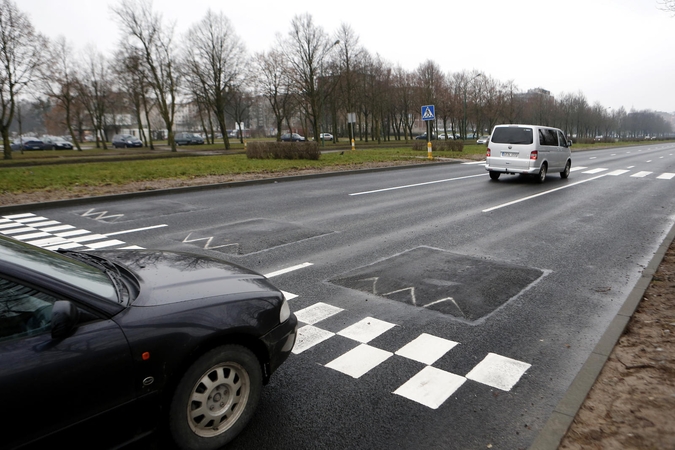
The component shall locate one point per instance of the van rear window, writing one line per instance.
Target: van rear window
(512, 135)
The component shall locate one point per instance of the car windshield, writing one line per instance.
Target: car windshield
(512, 135)
(60, 267)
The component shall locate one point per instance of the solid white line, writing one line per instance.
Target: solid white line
(542, 193)
(136, 229)
(288, 269)
(418, 184)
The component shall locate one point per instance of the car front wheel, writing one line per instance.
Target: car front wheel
(216, 398)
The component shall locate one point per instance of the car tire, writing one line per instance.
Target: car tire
(216, 398)
(494, 175)
(566, 172)
(542, 173)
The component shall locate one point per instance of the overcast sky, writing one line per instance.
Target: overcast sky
(617, 52)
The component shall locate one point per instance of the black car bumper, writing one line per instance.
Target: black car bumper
(280, 342)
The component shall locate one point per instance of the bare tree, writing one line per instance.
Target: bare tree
(154, 40)
(131, 80)
(59, 80)
(20, 57)
(94, 89)
(272, 78)
(215, 59)
(307, 49)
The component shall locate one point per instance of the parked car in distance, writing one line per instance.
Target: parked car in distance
(483, 140)
(423, 136)
(126, 141)
(292, 137)
(444, 136)
(28, 143)
(326, 136)
(185, 138)
(528, 150)
(56, 143)
(126, 341)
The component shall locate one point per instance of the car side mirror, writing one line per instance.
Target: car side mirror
(65, 316)
(569, 143)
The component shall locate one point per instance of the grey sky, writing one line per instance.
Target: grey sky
(617, 52)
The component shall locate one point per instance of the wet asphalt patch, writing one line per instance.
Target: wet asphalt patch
(462, 286)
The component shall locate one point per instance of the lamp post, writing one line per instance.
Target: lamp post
(465, 86)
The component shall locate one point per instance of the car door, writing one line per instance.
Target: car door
(48, 384)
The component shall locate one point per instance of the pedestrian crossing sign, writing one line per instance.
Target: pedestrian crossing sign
(428, 112)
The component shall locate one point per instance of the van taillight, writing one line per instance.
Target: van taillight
(488, 153)
(534, 154)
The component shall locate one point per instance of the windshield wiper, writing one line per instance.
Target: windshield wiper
(110, 269)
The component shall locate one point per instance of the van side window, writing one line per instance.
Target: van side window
(547, 137)
(561, 138)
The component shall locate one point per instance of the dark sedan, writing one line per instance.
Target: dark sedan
(56, 143)
(292, 137)
(28, 143)
(188, 139)
(126, 141)
(108, 345)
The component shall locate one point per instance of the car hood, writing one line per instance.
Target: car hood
(171, 277)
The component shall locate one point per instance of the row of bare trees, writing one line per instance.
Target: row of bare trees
(309, 80)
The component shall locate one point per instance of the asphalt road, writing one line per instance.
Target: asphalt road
(439, 309)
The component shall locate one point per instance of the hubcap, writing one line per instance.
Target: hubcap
(218, 399)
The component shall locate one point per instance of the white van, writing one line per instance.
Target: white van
(528, 150)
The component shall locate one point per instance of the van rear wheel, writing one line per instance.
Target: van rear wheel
(494, 175)
(566, 173)
(542, 173)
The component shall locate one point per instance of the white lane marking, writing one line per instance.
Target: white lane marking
(31, 219)
(288, 269)
(104, 244)
(64, 246)
(27, 237)
(594, 171)
(136, 247)
(649, 160)
(49, 241)
(630, 167)
(89, 237)
(19, 216)
(613, 154)
(574, 169)
(426, 348)
(641, 174)
(498, 371)
(418, 184)
(472, 162)
(19, 230)
(308, 337)
(593, 157)
(4, 226)
(58, 228)
(366, 329)
(359, 361)
(288, 295)
(666, 176)
(542, 193)
(72, 233)
(431, 387)
(618, 172)
(316, 313)
(45, 224)
(136, 229)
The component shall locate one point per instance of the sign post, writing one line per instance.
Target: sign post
(351, 119)
(429, 115)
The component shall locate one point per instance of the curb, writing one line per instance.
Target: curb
(556, 427)
(204, 187)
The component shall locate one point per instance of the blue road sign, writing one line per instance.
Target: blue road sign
(428, 112)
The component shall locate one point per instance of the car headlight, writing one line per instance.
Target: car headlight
(285, 311)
